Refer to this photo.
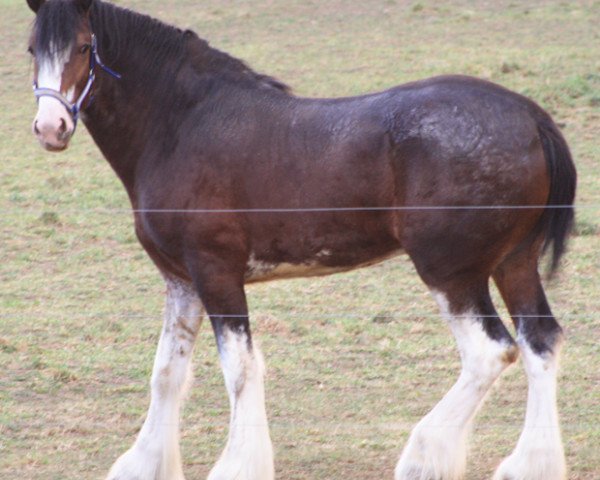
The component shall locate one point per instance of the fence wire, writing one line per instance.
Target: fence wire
(296, 316)
(390, 208)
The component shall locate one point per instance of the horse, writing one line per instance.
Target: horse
(234, 179)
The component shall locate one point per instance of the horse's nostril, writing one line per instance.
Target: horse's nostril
(62, 133)
(63, 127)
(35, 129)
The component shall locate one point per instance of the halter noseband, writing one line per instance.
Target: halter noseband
(75, 108)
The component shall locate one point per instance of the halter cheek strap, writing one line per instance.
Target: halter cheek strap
(75, 108)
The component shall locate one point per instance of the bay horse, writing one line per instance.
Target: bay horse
(233, 180)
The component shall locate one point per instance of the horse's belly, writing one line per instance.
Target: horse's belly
(260, 271)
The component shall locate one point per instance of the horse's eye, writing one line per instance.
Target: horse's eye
(30, 50)
(85, 48)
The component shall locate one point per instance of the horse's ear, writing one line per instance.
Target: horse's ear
(84, 5)
(35, 4)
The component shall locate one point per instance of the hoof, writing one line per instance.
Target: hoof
(532, 466)
(135, 465)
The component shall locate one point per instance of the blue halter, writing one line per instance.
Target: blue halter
(75, 108)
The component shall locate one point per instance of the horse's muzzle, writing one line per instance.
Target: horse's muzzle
(54, 136)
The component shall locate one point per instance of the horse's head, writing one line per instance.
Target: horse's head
(63, 49)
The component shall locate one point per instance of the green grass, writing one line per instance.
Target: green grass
(354, 360)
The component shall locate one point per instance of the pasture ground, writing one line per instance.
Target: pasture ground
(354, 360)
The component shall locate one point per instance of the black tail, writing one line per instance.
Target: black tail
(556, 223)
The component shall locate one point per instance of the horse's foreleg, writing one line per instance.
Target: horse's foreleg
(437, 445)
(155, 454)
(248, 454)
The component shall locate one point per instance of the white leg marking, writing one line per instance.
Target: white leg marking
(539, 453)
(248, 454)
(155, 454)
(437, 447)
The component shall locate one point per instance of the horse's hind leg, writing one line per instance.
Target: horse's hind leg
(436, 449)
(539, 453)
(155, 454)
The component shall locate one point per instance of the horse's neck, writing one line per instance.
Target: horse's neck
(125, 124)
(125, 118)
(134, 119)
(116, 139)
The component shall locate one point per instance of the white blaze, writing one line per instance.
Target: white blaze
(50, 110)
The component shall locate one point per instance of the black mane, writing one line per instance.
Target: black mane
(118, 27)
(119, 30)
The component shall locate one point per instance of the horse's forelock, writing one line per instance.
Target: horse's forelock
(56, 26)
